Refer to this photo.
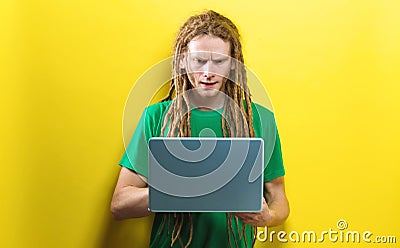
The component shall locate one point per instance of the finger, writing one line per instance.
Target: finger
(244, 215)
(250, 219)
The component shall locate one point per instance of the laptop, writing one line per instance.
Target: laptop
(205, 174)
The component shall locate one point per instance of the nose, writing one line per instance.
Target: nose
(207, 71)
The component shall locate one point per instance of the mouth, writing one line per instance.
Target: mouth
(208, 84)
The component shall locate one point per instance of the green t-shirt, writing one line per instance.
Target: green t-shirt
(209, 229)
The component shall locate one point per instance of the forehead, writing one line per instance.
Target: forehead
(207, 43)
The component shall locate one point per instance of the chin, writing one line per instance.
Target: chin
(208, 92)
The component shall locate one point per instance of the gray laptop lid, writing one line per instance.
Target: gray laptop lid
(206, 174)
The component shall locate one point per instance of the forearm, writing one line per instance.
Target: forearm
(276, 210)
(279, 211)
(130, 202)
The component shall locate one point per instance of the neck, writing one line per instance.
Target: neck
(208, 103)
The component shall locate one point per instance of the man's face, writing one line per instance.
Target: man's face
(208, 64)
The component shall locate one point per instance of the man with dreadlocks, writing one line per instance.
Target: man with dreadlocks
(208, 92)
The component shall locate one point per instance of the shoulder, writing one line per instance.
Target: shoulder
(157, 110)
(152, 118)
(263, 113)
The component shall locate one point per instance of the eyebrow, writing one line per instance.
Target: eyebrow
(214, 56)
(220, 57)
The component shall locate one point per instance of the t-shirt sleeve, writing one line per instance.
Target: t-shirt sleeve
(275, 168)
(265, 128)
(135, 156)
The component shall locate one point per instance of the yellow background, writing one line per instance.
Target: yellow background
(330, 67)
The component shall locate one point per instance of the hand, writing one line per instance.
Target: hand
(256, 218)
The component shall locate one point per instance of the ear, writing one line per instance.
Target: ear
(233, 64)
(182, 60)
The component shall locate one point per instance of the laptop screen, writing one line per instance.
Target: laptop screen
(206, 174)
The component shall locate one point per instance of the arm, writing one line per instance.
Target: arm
(131, 195)
(275, 210)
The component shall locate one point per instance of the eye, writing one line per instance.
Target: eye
(200, 61)
(218, 61)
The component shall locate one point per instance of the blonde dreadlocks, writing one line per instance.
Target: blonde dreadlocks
(237, 113)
